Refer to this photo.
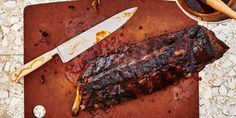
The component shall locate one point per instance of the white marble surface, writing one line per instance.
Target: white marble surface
(217, 88)
(218, 85)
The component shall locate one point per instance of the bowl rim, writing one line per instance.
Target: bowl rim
(197, 15)
(182, 3)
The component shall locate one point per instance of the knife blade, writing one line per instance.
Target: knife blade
(78, 44)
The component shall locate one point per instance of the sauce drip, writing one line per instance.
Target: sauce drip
(200, 6)
(101, 35)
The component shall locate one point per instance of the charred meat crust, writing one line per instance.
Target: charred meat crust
(137, 69)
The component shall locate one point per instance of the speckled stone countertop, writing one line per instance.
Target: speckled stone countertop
(217, 88)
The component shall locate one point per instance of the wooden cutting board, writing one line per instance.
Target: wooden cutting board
(49, 25)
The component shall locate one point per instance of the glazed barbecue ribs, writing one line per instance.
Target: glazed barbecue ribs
(133, 70)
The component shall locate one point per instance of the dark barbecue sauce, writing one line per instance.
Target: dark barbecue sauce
(200, 6)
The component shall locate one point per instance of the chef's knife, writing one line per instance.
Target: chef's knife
(77, 44)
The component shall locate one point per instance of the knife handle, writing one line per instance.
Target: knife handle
(32, 65)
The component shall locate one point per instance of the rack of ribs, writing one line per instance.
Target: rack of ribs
(134, 70)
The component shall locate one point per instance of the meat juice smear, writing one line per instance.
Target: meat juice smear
(186, 87)
(135, 70)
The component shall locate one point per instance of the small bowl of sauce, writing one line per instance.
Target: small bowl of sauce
(200, 11)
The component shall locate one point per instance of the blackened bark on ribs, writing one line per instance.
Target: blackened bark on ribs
(137, 69)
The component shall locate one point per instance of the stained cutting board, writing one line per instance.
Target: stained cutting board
(48, 25)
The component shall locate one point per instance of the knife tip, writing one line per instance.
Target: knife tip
(131, 11)
(134, 9)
